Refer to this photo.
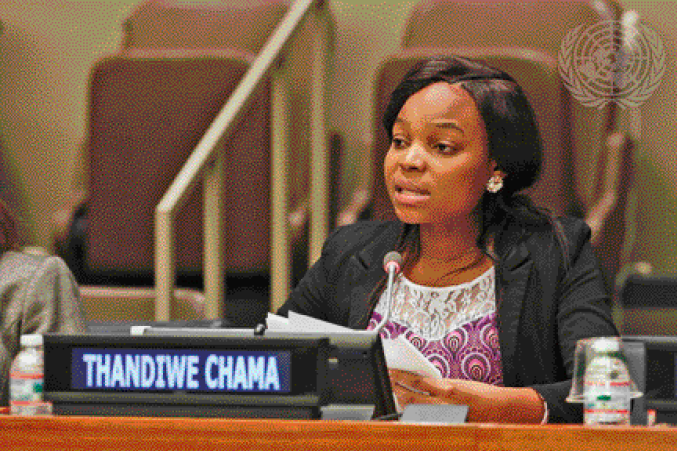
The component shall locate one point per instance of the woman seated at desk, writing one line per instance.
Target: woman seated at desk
(38, 294)
(494, 291)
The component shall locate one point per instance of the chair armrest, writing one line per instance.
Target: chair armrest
(618, 148)
(357, 206)
(106, 303)
(638, 268)
(297, 221)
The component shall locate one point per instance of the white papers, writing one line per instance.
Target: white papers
(399, 353)
(402, 355)
(277, 322)
(302, 323)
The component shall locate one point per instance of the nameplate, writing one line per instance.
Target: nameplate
(181, 369)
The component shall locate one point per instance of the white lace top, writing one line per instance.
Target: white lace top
(454, 327)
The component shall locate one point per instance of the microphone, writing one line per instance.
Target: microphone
(392, 264)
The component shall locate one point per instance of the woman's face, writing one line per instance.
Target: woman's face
(438, 163)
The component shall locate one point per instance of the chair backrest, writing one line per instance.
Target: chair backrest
(203, 24)
(533, 24)
(647, 305)
(148, 110)
(536, 72)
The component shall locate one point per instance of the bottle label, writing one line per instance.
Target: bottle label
(20, 375)
(606, 406)
(609, 411)
(614, 384)
(25, 387)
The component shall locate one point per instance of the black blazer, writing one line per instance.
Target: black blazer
(551, 298)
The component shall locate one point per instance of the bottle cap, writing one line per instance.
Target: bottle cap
(31, 340)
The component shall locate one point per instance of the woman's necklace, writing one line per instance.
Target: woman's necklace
(454, 272)
(470, 265)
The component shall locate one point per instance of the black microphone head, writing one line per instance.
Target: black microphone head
(392, 259)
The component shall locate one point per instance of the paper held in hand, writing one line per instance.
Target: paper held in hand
(399, 353)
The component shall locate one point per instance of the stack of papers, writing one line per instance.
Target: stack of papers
(399, 352)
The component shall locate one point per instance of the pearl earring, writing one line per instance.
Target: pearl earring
(495, 184)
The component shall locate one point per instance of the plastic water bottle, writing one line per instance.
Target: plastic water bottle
(26, 379)
(607, 386)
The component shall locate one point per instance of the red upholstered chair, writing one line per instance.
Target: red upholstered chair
(149, 106)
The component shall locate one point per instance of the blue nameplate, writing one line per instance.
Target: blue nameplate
(197, 370)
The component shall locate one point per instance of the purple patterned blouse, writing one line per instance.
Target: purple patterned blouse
(454, 327)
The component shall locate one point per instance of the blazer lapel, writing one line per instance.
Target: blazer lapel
(367, 267)
(516, 271)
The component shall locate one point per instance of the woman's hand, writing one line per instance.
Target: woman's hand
(486, 403)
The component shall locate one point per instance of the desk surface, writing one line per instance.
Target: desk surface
(157, 434)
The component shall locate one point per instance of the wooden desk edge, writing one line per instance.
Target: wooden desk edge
(133, 433)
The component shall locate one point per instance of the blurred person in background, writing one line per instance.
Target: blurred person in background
(38, 294)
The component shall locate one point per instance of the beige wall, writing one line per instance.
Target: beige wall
(48, 48)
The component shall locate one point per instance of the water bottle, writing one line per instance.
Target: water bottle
(26, 377)
(607, 386)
